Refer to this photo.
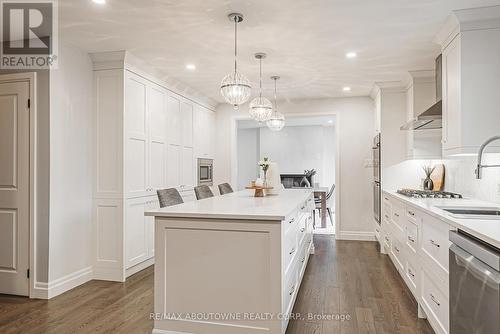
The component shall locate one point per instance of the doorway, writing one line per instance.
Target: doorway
(306, 143)
(15, 182)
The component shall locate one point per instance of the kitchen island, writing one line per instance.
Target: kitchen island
(231, 264)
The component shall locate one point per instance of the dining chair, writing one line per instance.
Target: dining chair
(169, 197)
(225, 188)
(317, 201)
(202, 192)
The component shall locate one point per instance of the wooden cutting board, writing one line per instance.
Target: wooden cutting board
(437, 177)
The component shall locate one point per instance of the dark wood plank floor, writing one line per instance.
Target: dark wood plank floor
(343, 278)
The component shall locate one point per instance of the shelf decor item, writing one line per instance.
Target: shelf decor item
(277, 120)
(428, 183)
(235, 88)
(259, 190)
(264, 165)
(260, 107)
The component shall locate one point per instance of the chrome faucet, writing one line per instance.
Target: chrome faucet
(480, 165)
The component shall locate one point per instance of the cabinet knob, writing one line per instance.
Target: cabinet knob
(410, 239)
(292, 290)
(435, 300)
(435, 243)
(292, 251)
(291, 220)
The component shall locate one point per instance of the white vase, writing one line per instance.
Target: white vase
(273, 179)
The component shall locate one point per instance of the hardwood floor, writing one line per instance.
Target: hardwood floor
(343, 278)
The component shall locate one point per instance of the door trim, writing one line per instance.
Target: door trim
(30, 77)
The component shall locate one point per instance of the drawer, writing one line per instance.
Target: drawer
(302, 259)
(397, 255)
(397, 217)
(435, 241)
(411, 239)
(386, 205)
(290, 288)
(302, 230)
(290, 249)
(386, 239)
(411, 277)
(436, 303)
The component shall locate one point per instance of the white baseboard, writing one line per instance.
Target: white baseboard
(109, 274)
(138, 267)
(61, 285)
(162, 331)
(355, 235)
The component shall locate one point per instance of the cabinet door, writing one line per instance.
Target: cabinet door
(174, 158)
(157, 137)
(187, 167)
(136, 232)
(136, 136)
(174, 119)
(452, 118)
(151, 204)
(187, 123)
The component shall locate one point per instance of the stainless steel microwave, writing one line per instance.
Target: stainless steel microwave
(205, 172)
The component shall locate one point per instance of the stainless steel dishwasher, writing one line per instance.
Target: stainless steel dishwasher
(474, 286)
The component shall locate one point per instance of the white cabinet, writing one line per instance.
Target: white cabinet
(471, 77)
(418, 246)
(204, 134)
(143, 142)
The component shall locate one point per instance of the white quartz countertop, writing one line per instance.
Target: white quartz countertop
(240, 205)
(487, 230)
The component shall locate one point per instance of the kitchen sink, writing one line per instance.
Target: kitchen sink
(473, 212)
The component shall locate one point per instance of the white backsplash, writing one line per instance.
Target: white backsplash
(459, 177)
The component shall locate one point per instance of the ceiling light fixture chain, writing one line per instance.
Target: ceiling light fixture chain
(235, 88)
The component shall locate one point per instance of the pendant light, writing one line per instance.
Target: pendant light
(277, 120)
(260, 107)
(235, 88)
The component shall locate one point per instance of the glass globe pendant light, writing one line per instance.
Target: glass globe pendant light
(260, 107)
(277, 120)
(235, 88)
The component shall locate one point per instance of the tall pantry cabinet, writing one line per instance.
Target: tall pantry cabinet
(143, 142)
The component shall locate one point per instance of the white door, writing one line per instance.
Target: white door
(14, 188)
(187, 124)
(174, 165)
(187, 168)
(136, 231)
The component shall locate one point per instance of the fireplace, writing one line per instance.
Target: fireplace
(295, 180)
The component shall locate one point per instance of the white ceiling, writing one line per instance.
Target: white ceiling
(306, 40)
(291, 121)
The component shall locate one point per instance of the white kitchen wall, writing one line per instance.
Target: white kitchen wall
(248, 156)
(294, 149)
(459, 176)
(71, 125)
(355, 120)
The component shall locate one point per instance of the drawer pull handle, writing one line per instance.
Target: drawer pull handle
(302, 230)
(292, 220)
(411, 273)
(396, 214)
(386, 216)
(411, 239)
(411, 213)
(435, 300)
(302, 208)
(302, 261)
(396, 248)
(292, 251)
(387, 239)
(434, 243)
(292, 290)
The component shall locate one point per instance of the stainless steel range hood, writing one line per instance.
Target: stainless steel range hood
(432, 118)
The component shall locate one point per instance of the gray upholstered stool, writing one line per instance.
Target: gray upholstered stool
(202, 192)
(169, 197)
(225, 188)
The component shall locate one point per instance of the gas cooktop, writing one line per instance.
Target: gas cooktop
(427, 194)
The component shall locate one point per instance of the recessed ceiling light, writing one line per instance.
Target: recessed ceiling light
(99, 2)
(330, 121)
(351, 55)
(346, 89)
(191, 67)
